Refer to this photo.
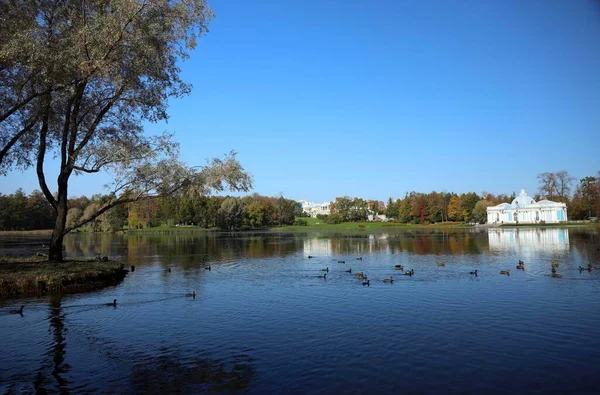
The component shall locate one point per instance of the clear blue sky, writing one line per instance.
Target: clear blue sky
(324, 98)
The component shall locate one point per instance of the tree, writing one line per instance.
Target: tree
(231, 214)
(455, 211)
(78, 79)
(479, 213)
(358, 210)
(469, 200)
(555, 185)
(341, 208)
(391, 209)
(404, 209)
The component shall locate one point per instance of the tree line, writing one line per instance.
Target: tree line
(19, 211)
(222, 212)
(470, 207)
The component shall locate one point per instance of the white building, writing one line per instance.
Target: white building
(524, 210)
(313, 209)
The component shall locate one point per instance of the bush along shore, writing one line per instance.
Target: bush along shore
(36, 276)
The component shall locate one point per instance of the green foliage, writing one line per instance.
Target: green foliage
(334, 219)
(300, 222)
(322, 217)
(391, 210)
(21, 212)
(346, 209)
(231, 214)
(479, 214)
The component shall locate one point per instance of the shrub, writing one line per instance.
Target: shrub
(300, 222)
(334, 219)
(322, 217)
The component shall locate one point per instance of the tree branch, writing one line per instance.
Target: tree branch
(14, 140)
(94, 125)
(40, 158)
(20, 105)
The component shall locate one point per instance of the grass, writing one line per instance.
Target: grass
(36, 276)
(41, 232)
(317, 224)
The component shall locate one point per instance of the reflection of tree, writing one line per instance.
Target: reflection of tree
(56, 352)
(167, 374)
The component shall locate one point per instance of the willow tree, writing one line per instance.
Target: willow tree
(77, 80)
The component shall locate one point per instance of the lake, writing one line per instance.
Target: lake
(264, 321)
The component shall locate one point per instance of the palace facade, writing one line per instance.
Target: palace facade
(523, 209)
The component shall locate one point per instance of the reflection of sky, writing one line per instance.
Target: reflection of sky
(529, 242)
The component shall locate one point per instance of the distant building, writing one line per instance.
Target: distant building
(524, 210)
(313, 209)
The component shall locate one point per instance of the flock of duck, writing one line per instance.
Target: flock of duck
(360, 276)
(367, 282)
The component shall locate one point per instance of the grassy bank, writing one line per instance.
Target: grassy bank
(317, 224)
(41, 232)
(35, 276)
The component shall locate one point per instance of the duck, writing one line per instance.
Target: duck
(310, 257)
(114, 303)
(389, 280)
(507, 272)
(409, 272)
(590, 267)
(348, 271)
(399, 267)
(474, 273)
(367, 283)
(361, 276)
(209, 268)
(359, 258)
(341, 261)
(132, 268)
(442, 264)
(521, 262)
(556, 275)
(193, 294)
(168, 270)
(323, 276)
(325, 270)
(581, 269)
(20, 311)
(520, 266)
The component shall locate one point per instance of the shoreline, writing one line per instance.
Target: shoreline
(20, 277)
(355, 226)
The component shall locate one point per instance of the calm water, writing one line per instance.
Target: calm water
(263, 322)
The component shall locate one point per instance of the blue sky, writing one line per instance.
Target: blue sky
(330, 98)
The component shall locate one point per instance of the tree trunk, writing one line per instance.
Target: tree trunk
(56, 243)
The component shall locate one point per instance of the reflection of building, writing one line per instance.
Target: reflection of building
(524, 209)
(317, 247)
(529, 242)
(313, 209)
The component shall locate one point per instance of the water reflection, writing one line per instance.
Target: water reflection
(529, 242)
(420, 242)
(55, 365)
(173, 373)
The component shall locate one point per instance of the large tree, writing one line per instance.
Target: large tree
(77, 80)
(555, 185)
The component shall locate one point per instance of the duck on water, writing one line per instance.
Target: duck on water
(19, 311)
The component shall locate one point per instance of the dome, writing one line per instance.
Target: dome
(523, 199)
